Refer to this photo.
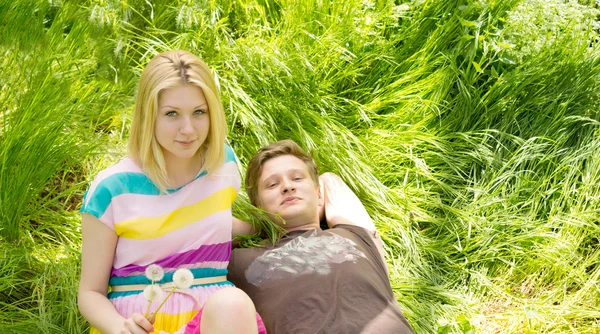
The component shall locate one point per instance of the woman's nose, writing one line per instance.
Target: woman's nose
(187, 126)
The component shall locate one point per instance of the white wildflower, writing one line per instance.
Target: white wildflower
(154, 272)
(153, 292)
(183, 278)
(402, 8)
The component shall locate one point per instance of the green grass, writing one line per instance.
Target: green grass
(470, 129)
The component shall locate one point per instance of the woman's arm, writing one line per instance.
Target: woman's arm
(240, 227)
(97, 254)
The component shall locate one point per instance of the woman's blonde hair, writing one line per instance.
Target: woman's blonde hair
(168, 70)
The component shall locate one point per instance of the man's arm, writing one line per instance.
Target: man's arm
(342, 206)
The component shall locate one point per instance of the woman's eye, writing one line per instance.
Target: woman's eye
(171, 113)
(297, 178)
(271, 185)
(199, 112)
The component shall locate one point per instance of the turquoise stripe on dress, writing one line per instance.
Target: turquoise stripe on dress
(115, 185)
(112, 295)
(130, 183)
(230, 155)
(142, 279)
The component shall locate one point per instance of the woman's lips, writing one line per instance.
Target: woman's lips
(186, 143)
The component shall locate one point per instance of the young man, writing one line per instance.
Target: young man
(313, 280)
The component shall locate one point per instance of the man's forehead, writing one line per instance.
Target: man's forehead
(282, 164)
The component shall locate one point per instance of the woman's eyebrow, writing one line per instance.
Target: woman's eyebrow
(172, 107)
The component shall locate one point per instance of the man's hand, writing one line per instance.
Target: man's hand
(341, 205)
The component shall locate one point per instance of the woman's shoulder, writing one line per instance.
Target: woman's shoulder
(123, 177)
(230, 154)
(123, 172)
(119, 169)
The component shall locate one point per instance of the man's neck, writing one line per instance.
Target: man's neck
(304, 227)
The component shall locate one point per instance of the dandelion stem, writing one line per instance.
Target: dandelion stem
(161, 304)
(150, 301)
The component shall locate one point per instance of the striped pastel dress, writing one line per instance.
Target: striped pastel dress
(190, 227)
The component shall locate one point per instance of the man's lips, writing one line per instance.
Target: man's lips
(290, 199)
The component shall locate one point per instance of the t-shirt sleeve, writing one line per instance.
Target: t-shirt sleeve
(231, 272)
(367, 239)
(97, 200)
(230, 156)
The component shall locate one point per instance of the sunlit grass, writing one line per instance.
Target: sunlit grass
(469, 129)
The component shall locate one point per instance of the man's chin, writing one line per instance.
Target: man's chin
(281, 220)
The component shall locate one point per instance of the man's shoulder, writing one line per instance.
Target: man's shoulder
(244, 255)
(349, 229)
(247, 250)
(369, 240)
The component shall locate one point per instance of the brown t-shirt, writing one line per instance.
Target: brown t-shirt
(316, 281)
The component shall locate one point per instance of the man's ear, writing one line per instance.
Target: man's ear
(321, 201)
(320, 193)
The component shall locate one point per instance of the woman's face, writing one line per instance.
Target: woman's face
(182, 122)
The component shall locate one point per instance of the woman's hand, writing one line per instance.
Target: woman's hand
(136, 324)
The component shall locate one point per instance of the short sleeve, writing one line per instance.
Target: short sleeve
(231, 159)
(230, 155)
(231, 268)
(366, 238)
(96, 202)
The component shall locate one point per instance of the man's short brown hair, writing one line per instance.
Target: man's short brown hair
(282, 147)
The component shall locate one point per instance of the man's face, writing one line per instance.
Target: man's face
(285, 188)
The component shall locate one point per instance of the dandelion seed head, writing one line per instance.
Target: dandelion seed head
(154, 272)
(183, 278)
(152, 292)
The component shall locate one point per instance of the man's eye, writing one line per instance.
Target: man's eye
(171, 113)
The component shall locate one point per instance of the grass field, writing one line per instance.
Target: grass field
(470, 130)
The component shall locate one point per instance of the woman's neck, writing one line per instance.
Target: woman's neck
(182, 171)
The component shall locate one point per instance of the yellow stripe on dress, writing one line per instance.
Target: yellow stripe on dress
(145, 228)
(166, 322)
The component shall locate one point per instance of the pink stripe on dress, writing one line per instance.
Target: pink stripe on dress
(216, 252)
(125, 165)
(127, 207)
(144, 252)
(177, 303)
(208, 264)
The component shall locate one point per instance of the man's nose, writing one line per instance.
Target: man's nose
(287, 185)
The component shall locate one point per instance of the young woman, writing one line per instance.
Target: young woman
(167, 204)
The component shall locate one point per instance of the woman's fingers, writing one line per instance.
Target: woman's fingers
(143, 322)
(138, 324)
